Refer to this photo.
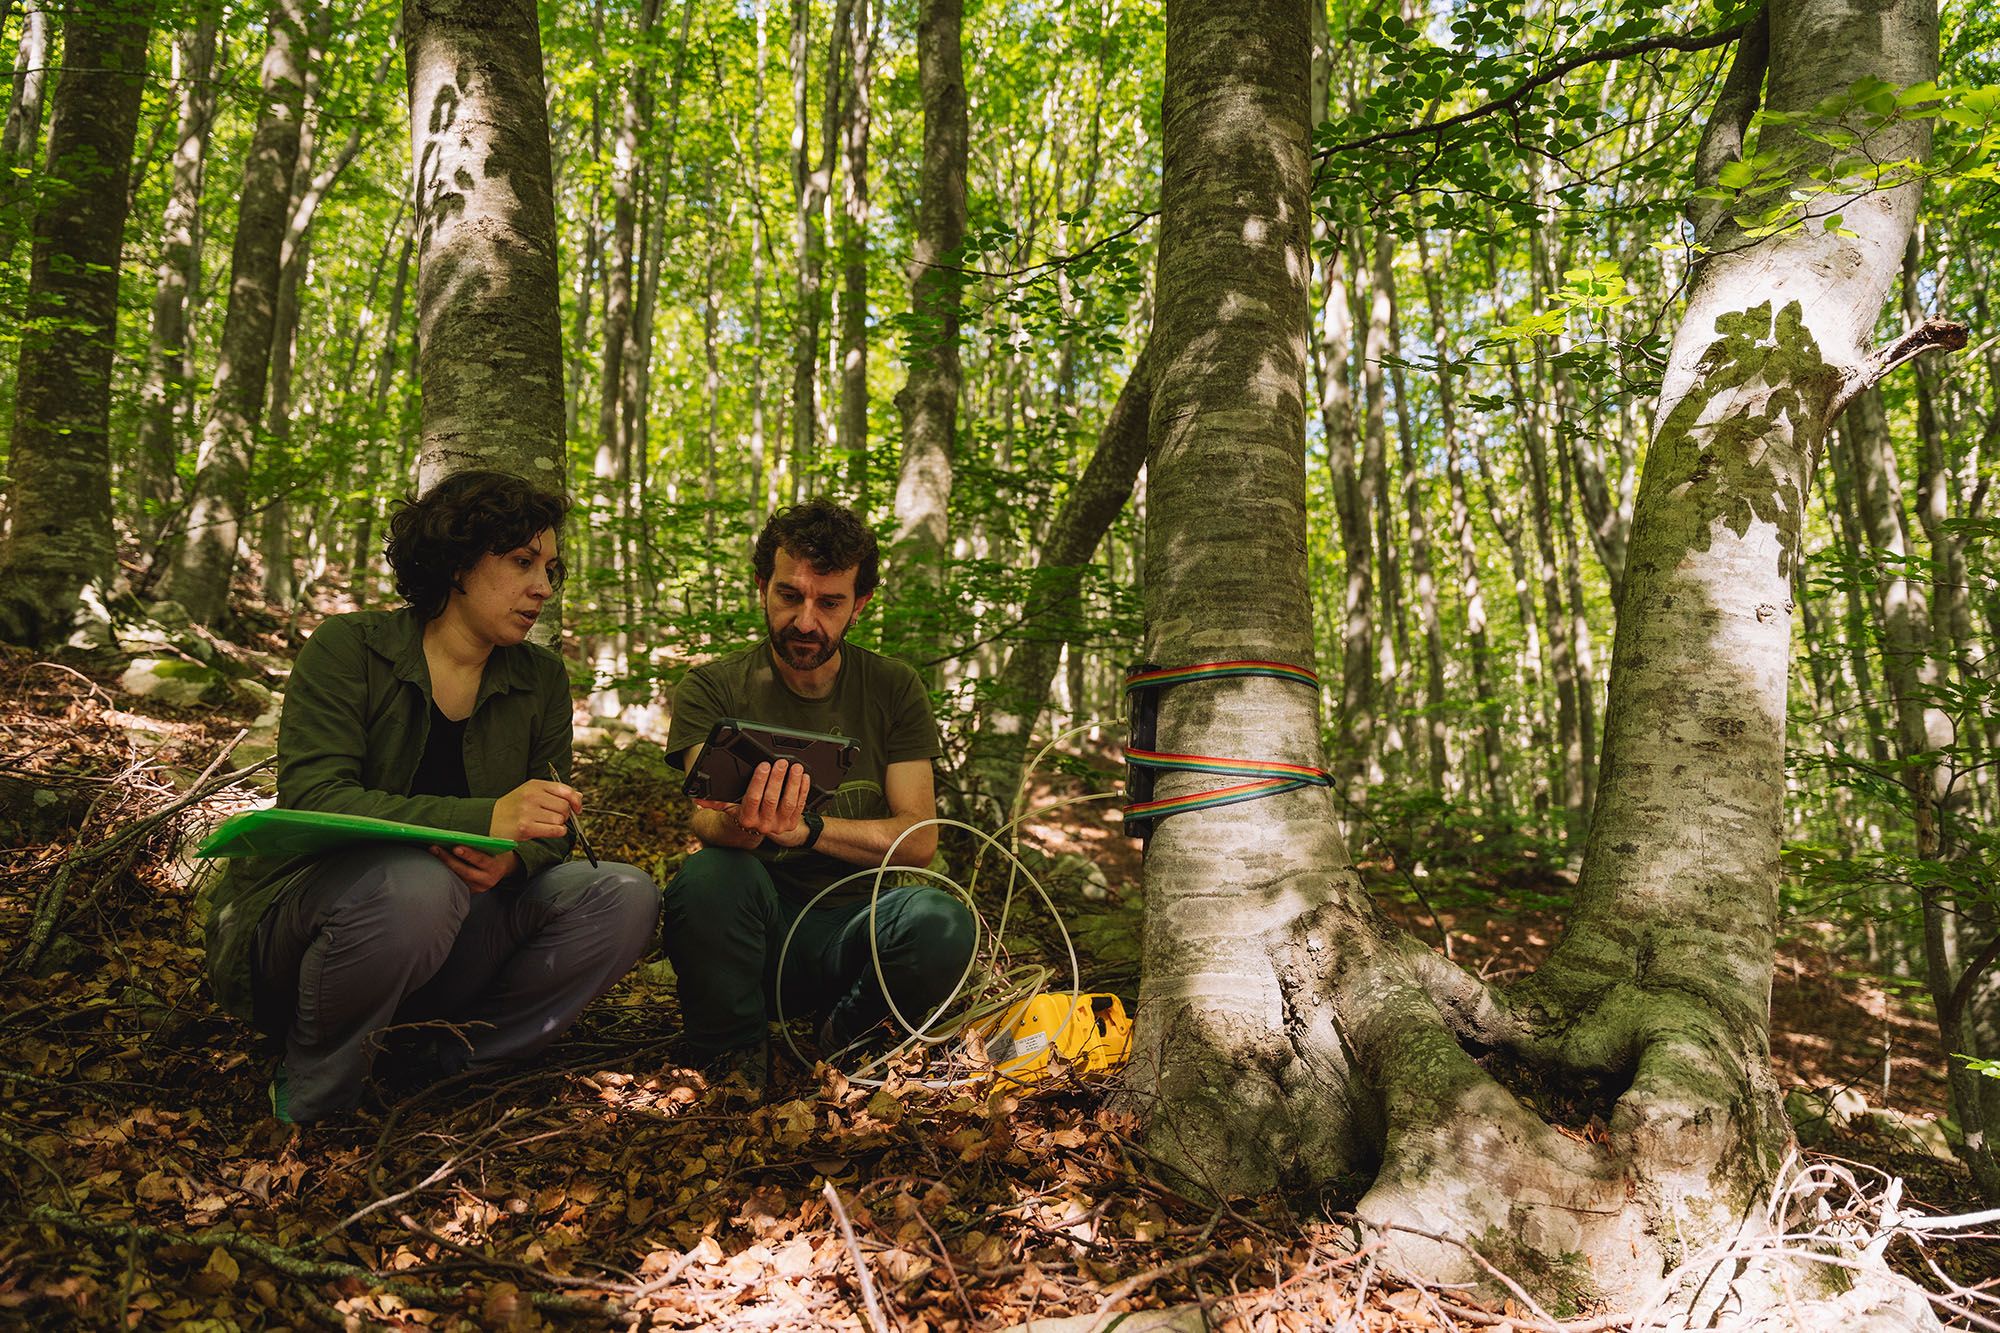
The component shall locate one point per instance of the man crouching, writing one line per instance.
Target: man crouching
(764, 858)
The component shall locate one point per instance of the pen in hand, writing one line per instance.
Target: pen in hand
(575, 825)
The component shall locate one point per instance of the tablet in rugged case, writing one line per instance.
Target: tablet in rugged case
(735, 748)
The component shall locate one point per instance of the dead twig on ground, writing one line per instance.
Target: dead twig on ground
(282, 1261)
(49, 907)
(1138, 1282)
(875, 1319)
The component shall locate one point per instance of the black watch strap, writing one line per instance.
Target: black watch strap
(815, 824)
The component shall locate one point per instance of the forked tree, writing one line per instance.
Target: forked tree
(1287, 1032)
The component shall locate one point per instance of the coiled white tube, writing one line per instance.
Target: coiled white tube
(1000, 988)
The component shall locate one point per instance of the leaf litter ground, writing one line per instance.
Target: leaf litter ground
(609, 1185)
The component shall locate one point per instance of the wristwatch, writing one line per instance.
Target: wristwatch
(815, 824)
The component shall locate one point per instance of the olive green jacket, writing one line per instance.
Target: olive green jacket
(356, 717)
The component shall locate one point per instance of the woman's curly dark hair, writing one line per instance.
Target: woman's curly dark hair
(434, 539)
(826, 536)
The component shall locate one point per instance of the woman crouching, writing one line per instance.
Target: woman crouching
(439, 714)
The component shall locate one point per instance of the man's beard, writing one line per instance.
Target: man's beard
(804, 652)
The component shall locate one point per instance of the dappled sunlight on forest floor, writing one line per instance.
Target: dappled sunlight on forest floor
(611, 1184)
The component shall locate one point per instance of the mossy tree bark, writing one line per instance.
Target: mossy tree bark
(59, 539)
(1286, 1033)
(488, 320)
(198, 570)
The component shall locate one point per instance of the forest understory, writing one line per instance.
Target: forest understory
(608, 1185)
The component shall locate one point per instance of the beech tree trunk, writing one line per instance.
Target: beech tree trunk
(163, 392)
(20, 133)
(1416, 504)
(199, 570)
(812, 180)
(1212, 1072)
(489, 333)
(634, 111)
(854, 254)
(1924, 737)
(57, 561)
(1353, 761)
(20, 140)
(1285, 1031)
(1487, 707)
(928, 402)
(1386, 727)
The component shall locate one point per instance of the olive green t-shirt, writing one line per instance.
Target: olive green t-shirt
(877, 701)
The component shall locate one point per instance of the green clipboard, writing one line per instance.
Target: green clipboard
(300, 832)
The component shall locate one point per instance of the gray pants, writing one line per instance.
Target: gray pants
(386, 935)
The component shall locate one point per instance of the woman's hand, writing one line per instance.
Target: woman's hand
(535, 809)
(480, 870)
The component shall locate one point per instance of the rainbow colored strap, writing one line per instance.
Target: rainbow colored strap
(1269, 777)
(1219, 671)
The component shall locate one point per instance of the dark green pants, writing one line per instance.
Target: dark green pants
(725, 922)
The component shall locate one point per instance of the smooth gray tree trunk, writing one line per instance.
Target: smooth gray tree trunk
(857, 121)
(489, 332)
(1416, 505)
(812, 182)
(20, 139)
(1215, 1070)
(1925, 744)
(1352, 760)
(1487, 707)
(1377, 510)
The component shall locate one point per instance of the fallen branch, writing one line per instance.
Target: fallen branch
(282, 1261)
(1542, 1322)
(48, 909)
(1138, 1282)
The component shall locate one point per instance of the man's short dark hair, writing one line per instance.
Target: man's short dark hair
(436, 538)
(827, 536)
